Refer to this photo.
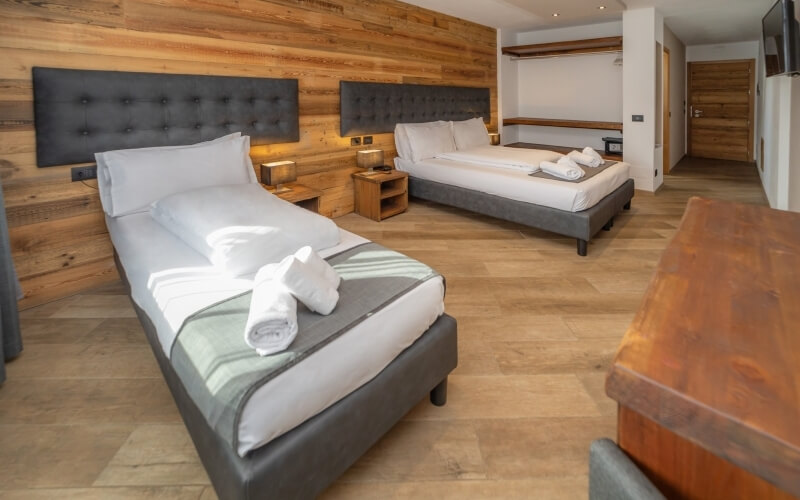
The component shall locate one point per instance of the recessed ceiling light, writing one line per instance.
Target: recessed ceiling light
(555, 14)
(602, 7)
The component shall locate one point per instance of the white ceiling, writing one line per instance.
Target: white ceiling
(693, 21)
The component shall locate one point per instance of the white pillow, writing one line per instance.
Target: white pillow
(104, 179)
(134, 178)
(427, 142)
(241, 227)
(401, 141)
(470, 133)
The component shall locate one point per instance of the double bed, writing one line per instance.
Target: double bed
(575, 209)
(578, 210)
(291, 433)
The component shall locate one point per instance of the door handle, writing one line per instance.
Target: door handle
(697, 113)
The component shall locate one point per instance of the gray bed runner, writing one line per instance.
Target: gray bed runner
(221, 372)
(589, 171)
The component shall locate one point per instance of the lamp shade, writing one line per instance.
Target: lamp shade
(369, 158)
(278, 172)
(494, 139)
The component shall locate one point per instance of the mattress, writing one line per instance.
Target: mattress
(518, 185)
(170, 281)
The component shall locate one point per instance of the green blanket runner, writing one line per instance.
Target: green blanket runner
(220, 372)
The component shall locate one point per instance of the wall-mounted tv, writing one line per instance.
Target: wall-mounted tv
(782, 39)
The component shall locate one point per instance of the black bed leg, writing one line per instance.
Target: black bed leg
(627, 206)
(582, 246)
(439, 393)
(609, 225)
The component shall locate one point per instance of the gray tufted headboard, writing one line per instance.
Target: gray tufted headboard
(78, 112)
(374, 108)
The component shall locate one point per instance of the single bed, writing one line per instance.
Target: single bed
(578, 210)
(297, 432)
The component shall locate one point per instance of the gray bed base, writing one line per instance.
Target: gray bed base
(580, 225)
(303, 462)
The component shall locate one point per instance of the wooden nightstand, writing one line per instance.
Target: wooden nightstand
(301, 195)
(381, 195)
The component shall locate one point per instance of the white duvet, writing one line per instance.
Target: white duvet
(517, 184)
(527, 160)
(240, 228)
(171, 282)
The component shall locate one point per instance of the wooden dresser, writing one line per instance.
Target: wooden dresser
(708, 375)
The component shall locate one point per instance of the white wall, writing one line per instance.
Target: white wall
(781, 132)
(640, 34)
(794, 143)
(584, 87)
(677, 101)
(722, 52)
(770, 131)
(508, 85)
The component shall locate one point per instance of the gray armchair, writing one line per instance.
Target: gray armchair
(613, 476)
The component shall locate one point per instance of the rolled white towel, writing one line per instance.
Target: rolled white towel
(317, 264)
(588, 150)
(310, 288)
(562, 171)
(272, 322)
(567, 162)
(585, 159)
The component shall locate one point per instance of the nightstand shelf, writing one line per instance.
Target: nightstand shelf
(301, 195)
(381, 195)
(392, 191)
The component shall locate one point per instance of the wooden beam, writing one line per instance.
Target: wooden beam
(553, 122)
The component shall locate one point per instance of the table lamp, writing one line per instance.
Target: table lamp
(277, 173)
(369, 159)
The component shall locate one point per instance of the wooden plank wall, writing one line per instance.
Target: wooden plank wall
(59, 240)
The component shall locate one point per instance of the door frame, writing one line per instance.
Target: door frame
(665, 90)
(751, 103)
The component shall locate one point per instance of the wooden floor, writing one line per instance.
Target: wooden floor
(85, 413)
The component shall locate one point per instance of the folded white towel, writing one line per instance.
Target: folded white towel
(562, 171)
(585, 159)
(310, 288)
(567, 162)
(594, 154)
(317, 264)
(272, 322)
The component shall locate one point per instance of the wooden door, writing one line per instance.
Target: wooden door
(721, 95)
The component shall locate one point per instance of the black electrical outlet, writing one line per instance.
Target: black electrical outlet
(84, 173)
(637, 118)
(367, 139)
(355, 141)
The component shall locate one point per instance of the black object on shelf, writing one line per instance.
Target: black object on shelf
(613, 145)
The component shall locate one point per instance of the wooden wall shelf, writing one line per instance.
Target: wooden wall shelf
(550, 122)
(568, 48)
